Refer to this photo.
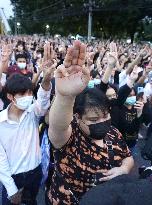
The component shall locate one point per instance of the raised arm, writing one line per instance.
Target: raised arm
(71, 79)
(136, 61)
(112, 59)
(125, 90)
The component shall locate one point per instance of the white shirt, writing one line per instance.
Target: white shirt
(3, 79)
(19, 141)
(123, 77)
(148, 89)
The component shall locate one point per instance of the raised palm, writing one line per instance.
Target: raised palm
(48, 64)
(72, 77)
(113, 54)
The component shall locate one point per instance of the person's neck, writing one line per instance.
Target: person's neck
(129, 107)
(14, 114)
(24, 71)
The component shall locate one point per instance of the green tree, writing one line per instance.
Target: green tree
(111, 18)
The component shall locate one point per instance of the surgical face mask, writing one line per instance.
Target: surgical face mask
(98, 131)
(131, 100)
(91, 84)
(23, 103)
(94, 82)
(97, 81)
(146, 80)
(21, 65)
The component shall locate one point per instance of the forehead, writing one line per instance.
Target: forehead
(28, 92)
(92, 113)
(110, 91)
(21, 59)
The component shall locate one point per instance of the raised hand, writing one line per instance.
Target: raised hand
(72, 77)
(113, 55)
(143, 52)
(4, 58)
(6, 52)
(139, 107)
(134, 74)
(47, 64)
(48, 55)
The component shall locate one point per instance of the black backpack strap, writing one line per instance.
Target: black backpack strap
(110, 151)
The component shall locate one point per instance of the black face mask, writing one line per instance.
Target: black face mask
(98, 131)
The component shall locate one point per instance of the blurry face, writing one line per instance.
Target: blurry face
(122, 58)
(132, 93)
(20, 48)
(111, 94)
(105, 60)
(19, 95)
(92, 116)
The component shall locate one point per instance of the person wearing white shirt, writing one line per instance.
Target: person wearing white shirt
(20, 156)
(148, 86)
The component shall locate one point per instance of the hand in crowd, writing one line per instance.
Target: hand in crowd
(113, 55)
(17, 198)
(112, 173)
(139, 105)
(47, 64)
(134, 74)
(72, 77)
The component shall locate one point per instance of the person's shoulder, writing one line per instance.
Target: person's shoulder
(13, 69)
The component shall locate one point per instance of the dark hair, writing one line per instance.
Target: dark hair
(94, 73)
(18, 83)
(20, 56)
(95, 57)
(21, 43)
(91, 98)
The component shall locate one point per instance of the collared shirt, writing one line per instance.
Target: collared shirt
(15, 69)
(19, 141)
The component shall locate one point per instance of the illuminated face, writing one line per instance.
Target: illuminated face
(111, 94)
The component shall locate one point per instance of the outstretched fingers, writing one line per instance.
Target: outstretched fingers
(76, 52)
(48, 51)
(45, 53)
(82, 55)
(68, 58)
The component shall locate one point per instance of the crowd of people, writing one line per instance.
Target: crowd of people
(70, 115)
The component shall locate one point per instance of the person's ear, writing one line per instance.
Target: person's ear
(77, 116)
(10, 97)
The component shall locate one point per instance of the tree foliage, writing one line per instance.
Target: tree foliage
(111, 18)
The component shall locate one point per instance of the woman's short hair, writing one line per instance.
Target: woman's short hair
(91, 98)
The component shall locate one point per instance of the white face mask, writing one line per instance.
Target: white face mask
(21, 65)
(23, 103)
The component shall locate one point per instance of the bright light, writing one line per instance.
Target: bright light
(18, 24)
(47, 26)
